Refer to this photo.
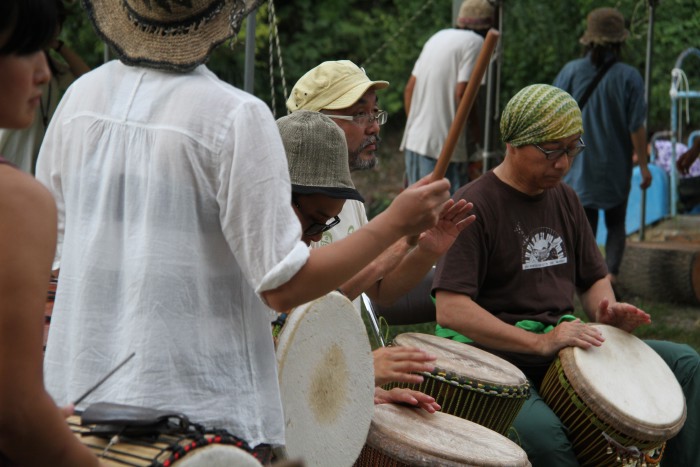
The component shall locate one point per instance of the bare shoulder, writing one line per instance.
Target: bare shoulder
(23, 198)
(27, 209)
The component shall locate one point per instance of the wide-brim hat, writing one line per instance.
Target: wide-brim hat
(604, 26)
(331, 85)
(172, 35)
(317, 155)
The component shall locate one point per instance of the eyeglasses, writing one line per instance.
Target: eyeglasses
(316, 228)
(554, 154)
(365, 119)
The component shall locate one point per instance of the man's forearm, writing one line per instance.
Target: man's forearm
(368, 279)
(404, 277)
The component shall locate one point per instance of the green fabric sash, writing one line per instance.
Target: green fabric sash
(526, 324)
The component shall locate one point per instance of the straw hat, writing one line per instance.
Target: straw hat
(331, 85)
(475, 14)
(604, 26)
(172, 35)
(317, 155)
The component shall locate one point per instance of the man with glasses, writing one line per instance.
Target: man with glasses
(342, 91)
(438, 80)
(507, 285)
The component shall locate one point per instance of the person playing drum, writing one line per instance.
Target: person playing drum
(176, 227)
(32, 428)
(511, 277)
(317, 156)
(344, 92)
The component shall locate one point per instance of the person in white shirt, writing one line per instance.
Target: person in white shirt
(175, 226)
(434, 90)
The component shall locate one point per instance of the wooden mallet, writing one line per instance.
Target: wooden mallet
(465, 106)
(466, 103)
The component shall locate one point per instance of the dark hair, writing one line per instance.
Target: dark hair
(601, 54)
(31, 25)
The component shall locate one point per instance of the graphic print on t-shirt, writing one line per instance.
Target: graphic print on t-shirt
(543, 247)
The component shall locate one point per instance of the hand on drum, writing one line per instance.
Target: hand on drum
(453, 219)
(406, 396)
(571, 334)
(399, 364)
(621, 315)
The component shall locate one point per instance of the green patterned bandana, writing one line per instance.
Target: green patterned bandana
(540, 113)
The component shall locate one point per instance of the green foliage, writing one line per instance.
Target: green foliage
(386, 36)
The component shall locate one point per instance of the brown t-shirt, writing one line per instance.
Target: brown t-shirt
(523, 258)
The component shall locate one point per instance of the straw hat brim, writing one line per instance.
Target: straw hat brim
(136, 45)
(353, 95)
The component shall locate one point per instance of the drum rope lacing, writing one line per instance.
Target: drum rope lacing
(627, 455)
(197, 434)
(632, 455)
(475, 385)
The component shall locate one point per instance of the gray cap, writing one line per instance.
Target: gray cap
(317, 154)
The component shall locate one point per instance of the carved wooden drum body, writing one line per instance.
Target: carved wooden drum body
(620, 401)
(470, 383)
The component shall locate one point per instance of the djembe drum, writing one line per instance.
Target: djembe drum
(620, 401)
(404, 436)
(326, 376)
(190, 449)
(468, 382)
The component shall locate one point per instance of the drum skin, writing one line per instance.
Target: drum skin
(326, 376)
(615, 399)
(404, 436)
(147, 452)
(469, 382)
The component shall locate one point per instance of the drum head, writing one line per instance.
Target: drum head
(326, 377)
(627, 384)
(218, 455)
(418, 438)
(465, 360)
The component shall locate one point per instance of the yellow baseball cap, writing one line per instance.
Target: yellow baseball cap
(331, 85)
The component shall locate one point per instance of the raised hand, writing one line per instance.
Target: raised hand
(621, 315)
(399, 364)
(453, 219)
(419, 206)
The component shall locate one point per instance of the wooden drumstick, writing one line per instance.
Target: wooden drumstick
(465, 106)
(466, 103)
(104, 378)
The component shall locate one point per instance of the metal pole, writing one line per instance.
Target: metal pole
(373, 320)
(248, 76)
(647, 94)
(492, 91)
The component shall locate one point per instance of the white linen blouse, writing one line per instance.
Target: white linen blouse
(175, 213)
